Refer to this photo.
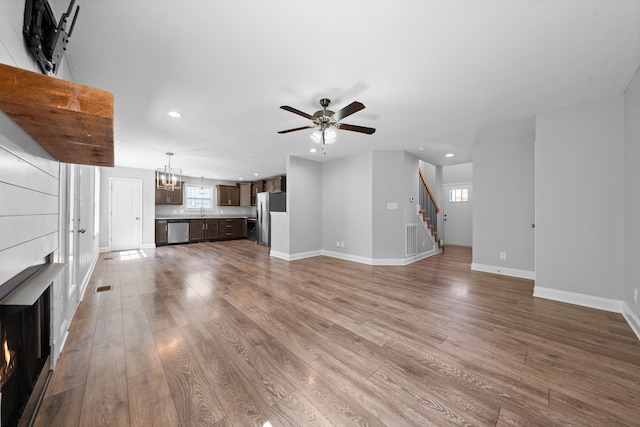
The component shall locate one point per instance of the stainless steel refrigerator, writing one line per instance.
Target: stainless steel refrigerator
(265, 204)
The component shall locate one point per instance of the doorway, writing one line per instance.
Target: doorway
(457, 214)
(125, 214)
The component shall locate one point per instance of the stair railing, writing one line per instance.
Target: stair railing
(428, 202)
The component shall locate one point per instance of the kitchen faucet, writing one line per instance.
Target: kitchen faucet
(202, 211)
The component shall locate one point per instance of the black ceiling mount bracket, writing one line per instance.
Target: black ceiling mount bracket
(47, 39)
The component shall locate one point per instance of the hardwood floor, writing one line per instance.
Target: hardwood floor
(222, 334)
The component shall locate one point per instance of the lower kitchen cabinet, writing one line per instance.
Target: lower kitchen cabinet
(211, 229)
(162, 232)
(233, 228)
(206, 230)
(196, 230)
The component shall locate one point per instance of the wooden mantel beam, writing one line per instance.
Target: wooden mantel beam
(73, 122)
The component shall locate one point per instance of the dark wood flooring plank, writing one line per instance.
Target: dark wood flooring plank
(270, 384)
(339, 408)
(106, 404)
(150, 400)
(62, 409)
(193, 397)
(141, 354)
(241, 401)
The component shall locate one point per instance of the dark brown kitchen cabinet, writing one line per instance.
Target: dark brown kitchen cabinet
(161, 232)
(233, 228)
(196, 230)
(211, 229)
(166, 197)
(245, 193)
(256, 187)
(228, 195)
(277, 184)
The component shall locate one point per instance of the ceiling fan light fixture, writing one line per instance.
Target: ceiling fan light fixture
(329, 136)
(175, 114)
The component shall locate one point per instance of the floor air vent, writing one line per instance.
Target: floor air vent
(103, 288)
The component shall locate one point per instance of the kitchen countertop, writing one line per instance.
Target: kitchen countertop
(205, 217)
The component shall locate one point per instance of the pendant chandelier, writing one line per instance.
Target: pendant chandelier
(169, 178)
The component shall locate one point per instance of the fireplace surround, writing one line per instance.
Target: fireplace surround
(25, 334)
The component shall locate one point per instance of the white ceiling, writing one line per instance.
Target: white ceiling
(433, 75)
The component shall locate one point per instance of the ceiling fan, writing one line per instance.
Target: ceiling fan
(324, 119)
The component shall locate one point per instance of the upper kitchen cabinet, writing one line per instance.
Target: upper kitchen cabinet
(166, 197)
(228, 195)
(245, 193)
(256, 187)
(277, 184)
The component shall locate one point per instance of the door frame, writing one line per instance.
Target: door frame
(445, 200)
(139, 181)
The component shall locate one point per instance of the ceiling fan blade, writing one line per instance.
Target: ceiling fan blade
(355, 128)
(354, 107)
(300, 128)
(298, 112)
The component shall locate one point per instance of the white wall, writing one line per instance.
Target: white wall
(580, 196)
(346, 206)
(503, 202)
(13, 52)
(457, 174)
(304, 205)
(632, 193)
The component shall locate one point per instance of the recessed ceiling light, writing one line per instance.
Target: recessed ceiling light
(240, 179)
(255, 174)
(313, 150)
(421, 148)
(175, 114)
(449, 155)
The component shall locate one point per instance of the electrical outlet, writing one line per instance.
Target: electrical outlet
(342, 244)
(503, 255)
(338, 244)
(635, 295)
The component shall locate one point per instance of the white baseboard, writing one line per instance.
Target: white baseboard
(591, 301)
(632, 319)
(144, 246)
(293, 257)
(87, 277)
(504, 271)
(355, 258)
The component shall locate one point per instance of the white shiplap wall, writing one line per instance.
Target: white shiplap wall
(29, 208)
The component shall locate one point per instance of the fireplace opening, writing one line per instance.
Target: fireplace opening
(26, 346)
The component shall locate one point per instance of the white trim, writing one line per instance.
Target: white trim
(104, 250)
(87, 278)
(354, 258)
(139, 181)
(632, 319)
(575, 298)
(148, 246)
(293, 257)
(504, 271)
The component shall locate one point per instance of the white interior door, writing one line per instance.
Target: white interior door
(457, 215)
(73, 178)
(126, 214)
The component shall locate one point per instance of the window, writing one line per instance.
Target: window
(459, 195)
(199, 197)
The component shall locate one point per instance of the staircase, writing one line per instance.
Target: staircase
(431, 227)
(430, 211)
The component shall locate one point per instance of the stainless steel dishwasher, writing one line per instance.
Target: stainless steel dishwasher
(178, 231)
